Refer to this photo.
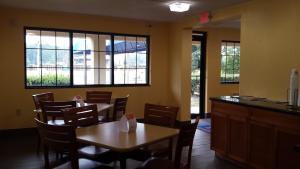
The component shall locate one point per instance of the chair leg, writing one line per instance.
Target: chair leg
(170, 149)
(38, 145)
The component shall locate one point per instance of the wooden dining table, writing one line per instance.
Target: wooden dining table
(101, 108)
(108, 135)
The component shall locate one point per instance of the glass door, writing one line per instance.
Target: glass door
(198, 74)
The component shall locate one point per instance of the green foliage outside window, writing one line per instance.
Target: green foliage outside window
(195, 78)
(230, 62)
(48, 80)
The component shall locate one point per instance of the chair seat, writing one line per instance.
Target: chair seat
(56, 122)
(157, 163)
(100, 154)
(84, 164)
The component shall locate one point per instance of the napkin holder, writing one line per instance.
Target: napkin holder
(79, 100)
(127, 124)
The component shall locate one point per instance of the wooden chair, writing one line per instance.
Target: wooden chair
(185, 139)
(37, 98)
(99, 97)
(119, 107)
(54, 110)
(161, 116)
(63, 138)
(82, 117)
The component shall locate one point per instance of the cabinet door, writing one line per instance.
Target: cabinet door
(237, 145)
(219, 134)
(286, 155)
(261, 145)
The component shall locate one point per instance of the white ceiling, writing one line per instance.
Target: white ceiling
(154, 10)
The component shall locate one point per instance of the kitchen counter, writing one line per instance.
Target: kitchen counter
(263, 103)
(255, 132)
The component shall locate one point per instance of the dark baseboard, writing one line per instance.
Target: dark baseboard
(18, 132)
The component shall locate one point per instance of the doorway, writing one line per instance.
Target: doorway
(198, 74)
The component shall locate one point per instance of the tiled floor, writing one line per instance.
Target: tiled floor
(18, 152)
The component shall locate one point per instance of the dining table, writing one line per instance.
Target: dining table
(101, 108)
(110, 136)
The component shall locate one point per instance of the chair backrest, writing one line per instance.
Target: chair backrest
(58, 138)
(37, 98)
(119, 107)
(81, 116)
(54, 109)
(98, 97)
(185, 139)
(160, 115)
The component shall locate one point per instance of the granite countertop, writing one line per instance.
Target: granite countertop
(264, 103)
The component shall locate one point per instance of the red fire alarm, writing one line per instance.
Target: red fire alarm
(204, 17)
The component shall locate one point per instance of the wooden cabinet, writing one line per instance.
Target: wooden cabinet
(261, 145)
(219, 136)
(255, 138)
(286, 156)
(237, 145)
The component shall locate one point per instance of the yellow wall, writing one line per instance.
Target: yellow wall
(213, 62)
(13, 95)
(180, 68)
(270, 47)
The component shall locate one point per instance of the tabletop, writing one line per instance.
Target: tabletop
(109, 136)
(100, 106)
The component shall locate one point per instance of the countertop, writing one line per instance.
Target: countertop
(264, 103)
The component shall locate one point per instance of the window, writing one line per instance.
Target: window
(230, 62)
(65, 58)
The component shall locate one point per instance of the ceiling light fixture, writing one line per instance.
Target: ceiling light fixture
(179, 6)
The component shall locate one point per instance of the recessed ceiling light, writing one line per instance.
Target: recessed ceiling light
(179, 6)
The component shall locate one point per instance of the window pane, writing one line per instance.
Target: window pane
(63, 77)
(48, 58)
(92, 76)
(130, 60)
(78, 76)
(141, 44)
(78, 41)
(92, 60)
(48, 77)
(141, 76)
(105, 75)
(119, 60)
(63, 58)
(33, 58)
(130, 76)
(119, 44)
(130, 44)
(105, 43)
(119, 76)
(33, 77)
(230, 62)
(105, 59)
(33, 39)
(92, 42)
(141, 60)
(48, 39)
(79, 59)
(62, 40)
